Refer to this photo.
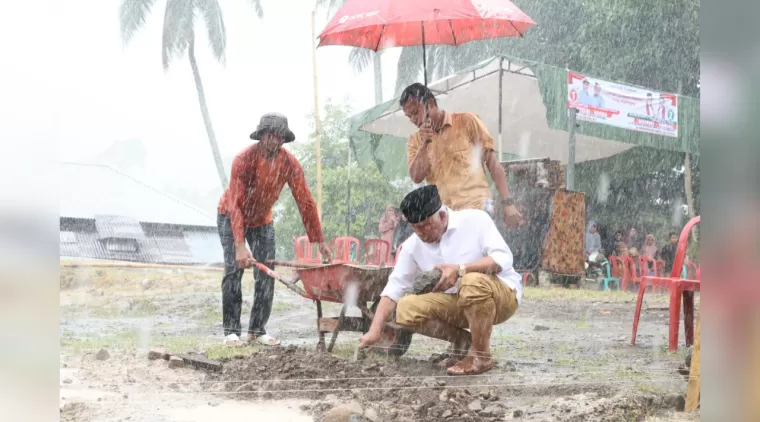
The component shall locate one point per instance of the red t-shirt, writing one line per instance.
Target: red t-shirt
(256, 184)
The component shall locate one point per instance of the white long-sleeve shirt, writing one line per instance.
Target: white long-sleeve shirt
(470, 236)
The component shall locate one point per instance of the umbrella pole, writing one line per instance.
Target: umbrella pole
(424, 56)
(424, 68)
(570, 171)
(501, 112)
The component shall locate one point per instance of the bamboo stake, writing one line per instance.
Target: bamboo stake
(317, 121)
(692, 391)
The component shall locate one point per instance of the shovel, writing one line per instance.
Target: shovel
(289, 284)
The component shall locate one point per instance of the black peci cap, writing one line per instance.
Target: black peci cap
(420, 204)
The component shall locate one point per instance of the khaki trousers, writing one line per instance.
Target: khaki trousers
(483, 292)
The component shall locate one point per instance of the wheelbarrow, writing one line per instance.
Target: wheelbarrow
(333, 283)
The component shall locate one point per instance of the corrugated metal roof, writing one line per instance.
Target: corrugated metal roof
(160, 243)
(119, 227)
(90, 190)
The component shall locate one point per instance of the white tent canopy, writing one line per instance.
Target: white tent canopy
(524, 133)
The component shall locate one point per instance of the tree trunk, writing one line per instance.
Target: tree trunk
(206, 117)
(689, 193)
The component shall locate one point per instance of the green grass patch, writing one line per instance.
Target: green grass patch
(123, 340)
(129, 340)
(563, 294)
(123, 307)
(283, 306)
(583, 324)
(646, 387)
(209, 315)
(221, 351)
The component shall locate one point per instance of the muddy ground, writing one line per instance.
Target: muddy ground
(565, 356)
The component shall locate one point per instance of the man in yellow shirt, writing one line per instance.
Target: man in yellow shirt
(452, 151)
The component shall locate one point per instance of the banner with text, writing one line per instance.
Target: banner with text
(623, 106)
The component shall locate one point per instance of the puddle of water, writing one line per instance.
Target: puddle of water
(68, 372)
(281, 411)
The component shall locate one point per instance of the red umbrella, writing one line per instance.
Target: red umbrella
(379, 24)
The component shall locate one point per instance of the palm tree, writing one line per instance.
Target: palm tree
(179, 37)
(359, 58)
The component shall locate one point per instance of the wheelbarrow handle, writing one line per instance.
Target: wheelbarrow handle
(290, 285)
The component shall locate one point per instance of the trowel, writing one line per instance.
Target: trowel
(359, 354)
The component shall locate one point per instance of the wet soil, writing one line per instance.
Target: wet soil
(565, 356)
(394, 389)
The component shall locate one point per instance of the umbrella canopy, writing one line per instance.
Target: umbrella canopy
(379, 24)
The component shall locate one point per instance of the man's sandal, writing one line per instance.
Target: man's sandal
(264, 339)
(232, 340)
(449, 361)
(437, 357)
(473, 367)
(454, 355)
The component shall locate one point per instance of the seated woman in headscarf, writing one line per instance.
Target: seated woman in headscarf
(649, 249)
(593, 240)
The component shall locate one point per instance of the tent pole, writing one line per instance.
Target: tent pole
(501, 82)
(570, 172)
(348, 192)
(378, 69)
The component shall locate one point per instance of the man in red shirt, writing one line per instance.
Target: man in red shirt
(245, 215)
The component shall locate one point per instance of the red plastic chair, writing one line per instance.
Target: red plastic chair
(615, 265)
(619, 271)
(657, 267)
(398, 253)
(691, 271)
(679, 288)
(622, 266)
(634, 271)
(305, 250)
(526, 276)
(377, 252)
(341, 250)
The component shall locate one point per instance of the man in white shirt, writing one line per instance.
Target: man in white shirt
(478, 287)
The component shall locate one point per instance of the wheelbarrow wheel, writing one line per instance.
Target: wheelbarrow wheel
(401, 343)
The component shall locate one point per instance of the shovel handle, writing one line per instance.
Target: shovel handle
(266, 269)
(290, 285)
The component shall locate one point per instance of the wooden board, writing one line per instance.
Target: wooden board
(199, 361)
(692, 391)
(328, 324)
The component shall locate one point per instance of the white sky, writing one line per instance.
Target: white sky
(66, 76)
